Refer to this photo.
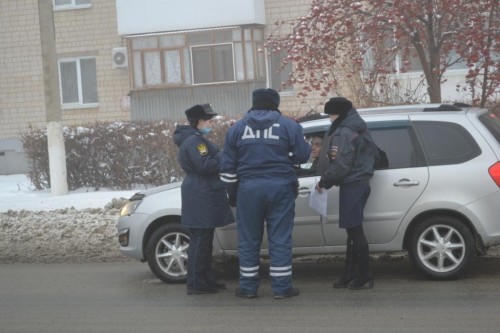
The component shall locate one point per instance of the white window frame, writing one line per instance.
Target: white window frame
(413, 72)
(80, 104)
(71, 6)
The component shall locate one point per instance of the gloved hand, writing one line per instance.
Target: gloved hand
(232, 199)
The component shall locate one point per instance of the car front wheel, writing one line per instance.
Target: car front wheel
(442, 248)
(166, 253)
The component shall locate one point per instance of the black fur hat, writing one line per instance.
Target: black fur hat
(338, 105)
(200, 111)
(266, 96)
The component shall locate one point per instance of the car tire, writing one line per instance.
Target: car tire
(442, 248)
(166, 253)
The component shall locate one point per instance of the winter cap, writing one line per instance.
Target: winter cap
(266, 96)
(338, 105)
(200, 111)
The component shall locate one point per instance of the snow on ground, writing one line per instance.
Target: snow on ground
(17, 193)
(36, 226)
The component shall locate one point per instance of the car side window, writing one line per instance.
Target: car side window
(492, 123)
(399, 145)
(308, 169)
(446, 143)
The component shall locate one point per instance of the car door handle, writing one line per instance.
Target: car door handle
(303, 191)
(406, 182)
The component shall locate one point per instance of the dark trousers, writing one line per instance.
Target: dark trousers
(200, 275)
(353, 197)
(360, 255)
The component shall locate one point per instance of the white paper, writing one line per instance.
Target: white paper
(318, 201)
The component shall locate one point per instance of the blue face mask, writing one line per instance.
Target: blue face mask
(206, 130)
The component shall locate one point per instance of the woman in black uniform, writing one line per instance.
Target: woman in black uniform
(204, 199)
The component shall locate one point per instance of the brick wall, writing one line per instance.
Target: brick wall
(94, 31)
(21, 81)
(78, 33)
(286, 10)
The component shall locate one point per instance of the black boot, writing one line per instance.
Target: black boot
(364, 279)
(349, 268)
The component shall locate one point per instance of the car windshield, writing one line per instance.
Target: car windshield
(492, 123)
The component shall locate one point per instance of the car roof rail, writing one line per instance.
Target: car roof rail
(462, 105)
(311, 116)
(444, 107)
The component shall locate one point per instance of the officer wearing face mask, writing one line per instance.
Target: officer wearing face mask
(204, 200)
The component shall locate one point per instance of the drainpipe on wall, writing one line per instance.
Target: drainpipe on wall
(57, 151)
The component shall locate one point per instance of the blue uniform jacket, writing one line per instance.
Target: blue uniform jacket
(263, 146)
(204, 197)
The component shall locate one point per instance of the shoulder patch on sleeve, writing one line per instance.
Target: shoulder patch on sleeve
(202, 149)
(333, 152)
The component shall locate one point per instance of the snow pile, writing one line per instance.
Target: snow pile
(62, 235)
(36, 226)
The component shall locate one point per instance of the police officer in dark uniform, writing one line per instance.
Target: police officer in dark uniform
(259, 154)
(204, 197)
(347, 160)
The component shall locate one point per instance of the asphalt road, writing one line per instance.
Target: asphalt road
(125, 297)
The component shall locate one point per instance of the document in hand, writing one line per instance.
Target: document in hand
(318, 201)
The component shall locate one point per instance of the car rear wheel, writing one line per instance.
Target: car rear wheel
(442, 248)
(166, 253)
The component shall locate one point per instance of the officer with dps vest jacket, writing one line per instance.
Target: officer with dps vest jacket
(258, 160)
(204, 197)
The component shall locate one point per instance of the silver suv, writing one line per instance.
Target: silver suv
(437, 197)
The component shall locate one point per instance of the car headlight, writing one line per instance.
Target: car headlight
(130, 207)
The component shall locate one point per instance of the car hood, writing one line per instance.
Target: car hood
(162, 188)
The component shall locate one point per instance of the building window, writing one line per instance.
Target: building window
(410, 61)
(279, 73)
(78, 82)
(453, 61)
(201, 57)
(71, 4)
(212, 63)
